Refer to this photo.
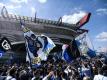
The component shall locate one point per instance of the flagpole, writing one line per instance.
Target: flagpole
(26, 47)
(28, 56)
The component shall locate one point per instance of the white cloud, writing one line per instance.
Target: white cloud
(102, 49)
(42, 1)
(19, 1)
(11, 8)
(1, 5)
(33, 11)
(102, 36)
(102, 11)
(76, 9)
(74, 18)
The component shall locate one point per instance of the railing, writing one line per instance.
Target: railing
(38, 20)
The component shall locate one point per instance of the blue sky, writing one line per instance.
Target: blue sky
(70, 11)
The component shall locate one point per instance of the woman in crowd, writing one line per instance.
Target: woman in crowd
(57, 70)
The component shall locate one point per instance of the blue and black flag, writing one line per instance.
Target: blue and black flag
(37, 46)
(66, 54)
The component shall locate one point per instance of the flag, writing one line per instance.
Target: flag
(5, 44)
(74, 49)
(85, 46)
(84, 20)
(47, 46)
(81, 43)
(30, 41)
(65, 54)
(91, 52)
(82, 47)
(37, 46)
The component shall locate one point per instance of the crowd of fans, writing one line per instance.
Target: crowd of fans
(78, 69)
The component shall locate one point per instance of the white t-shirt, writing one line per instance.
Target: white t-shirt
(100, 77)
(10, 78)
(33, 78)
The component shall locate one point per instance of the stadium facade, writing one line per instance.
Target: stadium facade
(61, 33)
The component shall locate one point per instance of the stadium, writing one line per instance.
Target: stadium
(53, 44)
(60, 32)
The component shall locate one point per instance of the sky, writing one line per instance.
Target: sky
(71, 12)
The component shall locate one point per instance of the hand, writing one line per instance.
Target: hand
(51, 73)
